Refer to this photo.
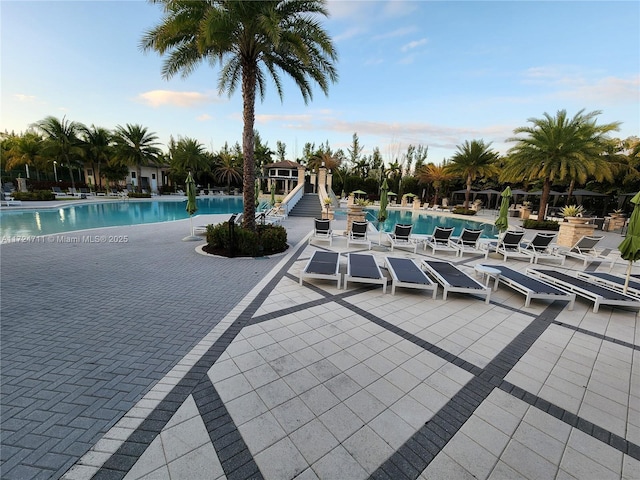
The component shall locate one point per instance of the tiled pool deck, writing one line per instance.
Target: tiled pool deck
(231, 369)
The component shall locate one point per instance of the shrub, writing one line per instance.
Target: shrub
(41, 195)
(464, 211)
(266, 240)
(541, 225)
(139, 195)
(273, 238)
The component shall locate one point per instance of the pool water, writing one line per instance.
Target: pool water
(68, 218)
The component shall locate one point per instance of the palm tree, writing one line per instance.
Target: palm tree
(436, 175)
(250, 41)
(97, 144)
(559, 147)
(472, 160)
(61, 140)
(188, 155)
(228, 170)
(26, 149)
(134, 145)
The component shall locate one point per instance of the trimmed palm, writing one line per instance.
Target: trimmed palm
(189, 155)
(250, 41)
(134, 145)
(227, 170)
(559, 148)
(472, 160)
(437, 175)
(25, 149)
(98, 148)
(61, 140)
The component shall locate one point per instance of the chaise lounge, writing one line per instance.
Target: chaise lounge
(362, 268)
(323, 266)
(401, 238)
(359, 234)
(613, 281)
(585, 250)
(453, 279)
(405, 272)
(440, 241)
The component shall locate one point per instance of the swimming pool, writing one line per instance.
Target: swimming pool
(424, 223)
(67, 218)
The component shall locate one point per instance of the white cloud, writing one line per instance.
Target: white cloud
(399, 32)
(414, 44)
(158, 98)
(24, 98)
(204, 117)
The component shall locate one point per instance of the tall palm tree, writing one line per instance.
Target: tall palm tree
(437, 175)
(26, 149)
(61, 140)
(473, 159)
(97, 143)
(250, 41)
(189, 155)
(555, 148)
(227, 170)
(134, 145)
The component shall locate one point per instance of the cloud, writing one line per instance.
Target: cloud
(399, 32)
(25, 98)
(204, 117)
(607, 90)
(414, 44)
(159, 98)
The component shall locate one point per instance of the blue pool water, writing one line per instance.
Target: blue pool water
(68, 218)
(424, 223)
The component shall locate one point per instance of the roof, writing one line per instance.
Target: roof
(285, 164)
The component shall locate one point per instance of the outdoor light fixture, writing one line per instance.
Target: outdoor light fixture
(55, 172)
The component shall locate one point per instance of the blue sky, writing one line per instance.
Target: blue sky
(411, 72)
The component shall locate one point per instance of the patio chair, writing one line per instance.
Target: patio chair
(362, 268)
(540, 247)
(439, 240)
(453, 279)
(405, 272)
(358, 234)
(401, 238)
(585, 250)
(467, 242)
(322, 265)
(509, 246)
(322, 231)
(613, 281)
(58, 192)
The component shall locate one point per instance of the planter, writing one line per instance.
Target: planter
(525, 213)
(577, 220)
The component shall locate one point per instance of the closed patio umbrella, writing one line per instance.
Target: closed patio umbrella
(382, 213)
(502, 222)
(630, 246)
(191, 208)
(273, 194)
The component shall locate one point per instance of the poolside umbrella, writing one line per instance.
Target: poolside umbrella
(382, 213)
(191, 208)
(502, 222)
(630, 246)
(358, 192)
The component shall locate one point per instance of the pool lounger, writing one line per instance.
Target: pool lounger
(362, 268)
(613, 281)
(532, 288)
(405, 272)
(453, 279)
(322, 265)
(599, 294)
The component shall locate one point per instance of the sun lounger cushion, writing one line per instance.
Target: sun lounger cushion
(362, 267)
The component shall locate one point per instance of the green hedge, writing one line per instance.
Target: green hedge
(266, 240)
(464, 211)
(541, 225)
(40, 195)
(139, 195)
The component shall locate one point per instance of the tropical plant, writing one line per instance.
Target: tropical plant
(572, 211)
(555, 148)
(250, 40)
(134, 145)
(437, 175)
(472, 160)
(227, 170)
(188, 155)
(97, 145)
(61, 140)
(26, 150)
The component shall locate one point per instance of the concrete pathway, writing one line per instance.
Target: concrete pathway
(146, 360)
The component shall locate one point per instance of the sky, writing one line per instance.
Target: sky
(430, 73)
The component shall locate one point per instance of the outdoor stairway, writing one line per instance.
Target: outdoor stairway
(307, 206)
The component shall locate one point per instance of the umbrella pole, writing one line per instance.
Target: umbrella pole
(191, 225)
(626, 280)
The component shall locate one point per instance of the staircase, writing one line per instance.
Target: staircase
(307, 206)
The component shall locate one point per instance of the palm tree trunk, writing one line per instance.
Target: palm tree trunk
(139, 179)
(467, 194)
(544, 199)
(571, 188)
(249, 75)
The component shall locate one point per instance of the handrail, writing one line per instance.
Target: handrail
(292, 198)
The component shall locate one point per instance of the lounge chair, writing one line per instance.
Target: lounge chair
(598, 294)
(540, 248)
(532, 287)
(453, 279)
(508, 246)
(322, 265)
(8, 201)
(613, 281)
(405, 272)
(585, 250)
(58, 192)
(467, 242)
(401, 238)
(362, 268)
(358, 234)
(439, 240)
(322, 231)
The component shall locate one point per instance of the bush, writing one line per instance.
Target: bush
(139, 195)
(541, 225)
(41, 195)
(464, 211)
(266, 240)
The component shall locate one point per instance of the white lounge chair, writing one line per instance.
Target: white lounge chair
(508, 245)
(362, 268)
(467, 242)
(322, 265)
(439, 240)
(585, 250)
(540, 248)
(598, 294)
(401, 238)
(322, 231)
(453, 279)
(359, 234)
(405, 272)
(613, 281)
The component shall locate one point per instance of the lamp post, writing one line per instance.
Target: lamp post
(55, 172)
